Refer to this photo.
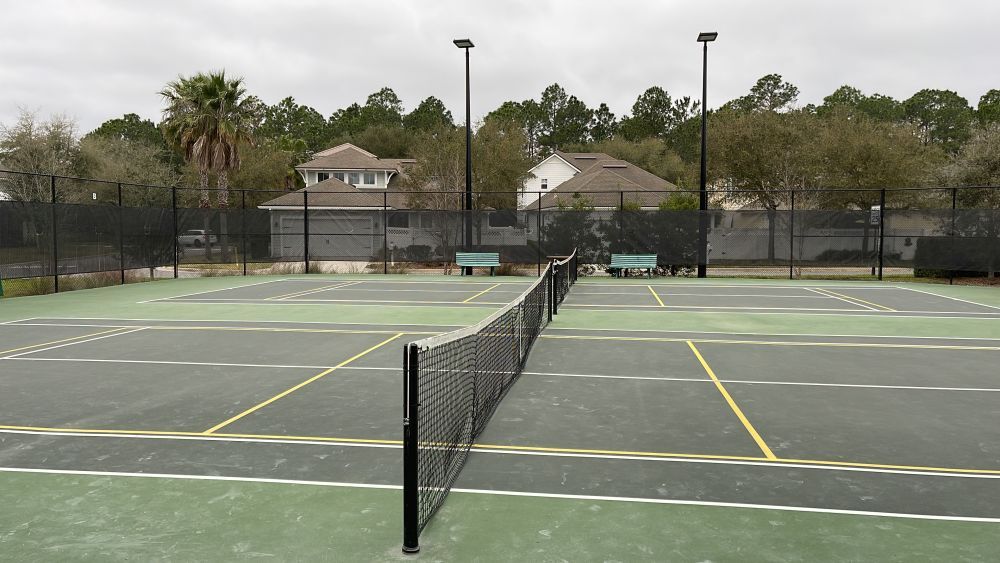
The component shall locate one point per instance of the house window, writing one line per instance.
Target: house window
(545, 183)
(369, 178)
(399, 219)
(353, 178)
(339, 176)
(320, 176)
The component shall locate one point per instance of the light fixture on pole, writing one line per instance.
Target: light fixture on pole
(704, 38)
(467, 44)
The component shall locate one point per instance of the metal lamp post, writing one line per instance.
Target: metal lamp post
(467, 44)
(704, 38)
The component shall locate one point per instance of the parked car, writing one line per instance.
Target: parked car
(197, 238)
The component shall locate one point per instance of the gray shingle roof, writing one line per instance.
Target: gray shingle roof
(350, 158)
(604, 181)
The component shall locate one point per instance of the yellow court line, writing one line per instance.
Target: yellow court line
(732, 404)
(5, 352)
(492, 287)
(778, 461)
(308, 291)
(857, 299)
(658, 300)
(301, 385)
(770, 342)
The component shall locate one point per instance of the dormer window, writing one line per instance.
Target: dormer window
(353, 178)
(369, 178)
(545, 183)
(339, 176)
(321, 176)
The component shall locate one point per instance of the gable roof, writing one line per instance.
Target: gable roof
(348, 157)
(334, 193)
(584, 161)
(603, 182)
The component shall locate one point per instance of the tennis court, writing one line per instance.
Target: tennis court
(760, 411)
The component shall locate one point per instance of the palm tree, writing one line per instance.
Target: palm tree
(207, 119)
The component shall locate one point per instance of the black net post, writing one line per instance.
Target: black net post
(555, 287)
(243, 231)
(411, 406)
(385, 233)
(173, 205)
(791, 237)
(305, 229)
(55, 235)
(881, 232)
(121, 236)
(551, 292)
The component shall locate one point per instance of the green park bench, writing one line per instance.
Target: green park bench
(621, 263)
(478, 259)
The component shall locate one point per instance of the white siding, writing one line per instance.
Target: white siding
(553, 169)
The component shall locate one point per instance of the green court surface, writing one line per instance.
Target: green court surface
(723, 420)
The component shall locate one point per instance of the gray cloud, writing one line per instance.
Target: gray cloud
(98, 59)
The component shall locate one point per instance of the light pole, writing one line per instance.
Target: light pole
(467, 44)
(704, 38)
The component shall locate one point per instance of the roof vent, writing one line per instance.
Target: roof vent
(585, 157)
(615, 165)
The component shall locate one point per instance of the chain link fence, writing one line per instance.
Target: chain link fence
(58, 234)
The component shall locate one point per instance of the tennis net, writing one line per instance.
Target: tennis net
(453, 383)
(565, 276)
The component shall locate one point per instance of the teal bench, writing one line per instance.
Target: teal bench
(478, 259)
(621, 263)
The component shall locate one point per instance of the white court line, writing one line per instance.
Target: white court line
(712, 295)
(317, 290)
(758, 382)
(821, 335)
(217, 321)
(860, 313)
(839, 298)
(584, 283)
(14, 321)
(548, 328)
(214, 290)
(164, 362)
(136, 329)
(381, 279)
(710, 307)
(531, 453)
(327, 302)
(952, 298)
(203, 438)
(638, 500)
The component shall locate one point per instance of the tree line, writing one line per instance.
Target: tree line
(213, 129)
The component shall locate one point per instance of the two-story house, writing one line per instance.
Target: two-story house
(605, 181)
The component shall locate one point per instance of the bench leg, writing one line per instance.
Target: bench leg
(491, 271)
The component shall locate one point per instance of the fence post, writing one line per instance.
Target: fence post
(243, 228)
(538, 234)
(385, 233)
(305, 228)
(791, 239)
(954, 206)
(121, 236)
(411, 412)
(881, 233)
(55, 236)
(621, 220)
(173, 204)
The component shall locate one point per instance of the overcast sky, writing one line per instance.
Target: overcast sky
(98, 59)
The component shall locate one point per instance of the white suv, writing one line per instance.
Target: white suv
(196, 238)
